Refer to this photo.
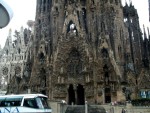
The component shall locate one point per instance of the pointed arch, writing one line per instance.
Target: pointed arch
(71, 26)
(41, 57)
(104, 52)
(68, 26)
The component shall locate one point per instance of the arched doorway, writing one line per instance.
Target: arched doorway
(80, 95)
(71, 95)
(107, 95)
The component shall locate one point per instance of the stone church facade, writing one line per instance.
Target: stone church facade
(13, 59)
(88, 50)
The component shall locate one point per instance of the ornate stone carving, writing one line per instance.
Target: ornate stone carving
(5, 71)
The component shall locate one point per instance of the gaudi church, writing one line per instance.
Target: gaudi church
(85, 50)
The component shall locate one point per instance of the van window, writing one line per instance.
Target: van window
(10, 101)
(30, 102)
(42, 102)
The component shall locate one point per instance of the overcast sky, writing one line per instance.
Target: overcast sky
(24, 10)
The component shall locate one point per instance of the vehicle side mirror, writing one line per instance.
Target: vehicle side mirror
(6, 14)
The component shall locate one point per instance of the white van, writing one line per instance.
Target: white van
(24, 103)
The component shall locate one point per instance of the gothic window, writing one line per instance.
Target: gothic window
(55, 12)
(71, 27)
(102, 27)
(75, 64)
(137, 63)
(106, 74)
(119, 51)
(43, 81)
(44, 7)
(43, 77)
(104, 53)
(56, 9)
(146, 62)
(84, 18)
(105, 68)
(128, 57)
(48, 5)
(42, 71)
(41, 57)
(39, 22)
(121, 33)
(71, 68)
(74, 54)
(19, 50)
(6, 52)
(25, 56)
(112, 9)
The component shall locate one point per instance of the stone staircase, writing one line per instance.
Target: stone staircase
(81, 109)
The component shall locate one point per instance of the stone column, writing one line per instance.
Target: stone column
(67, 88)
(75, 90)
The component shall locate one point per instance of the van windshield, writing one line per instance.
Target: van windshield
(10, 101)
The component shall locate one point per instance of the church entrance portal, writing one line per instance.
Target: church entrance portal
(71, 94)
(107, 95)
(76, 96)
(80, 95)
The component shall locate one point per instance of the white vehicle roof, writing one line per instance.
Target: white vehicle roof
(23, 95)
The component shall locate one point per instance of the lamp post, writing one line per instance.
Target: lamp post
(63, 102)
(86, 107)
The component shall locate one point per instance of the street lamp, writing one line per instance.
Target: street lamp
(63, 102)
(6, 14)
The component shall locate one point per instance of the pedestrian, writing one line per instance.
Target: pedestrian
(123, 111)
